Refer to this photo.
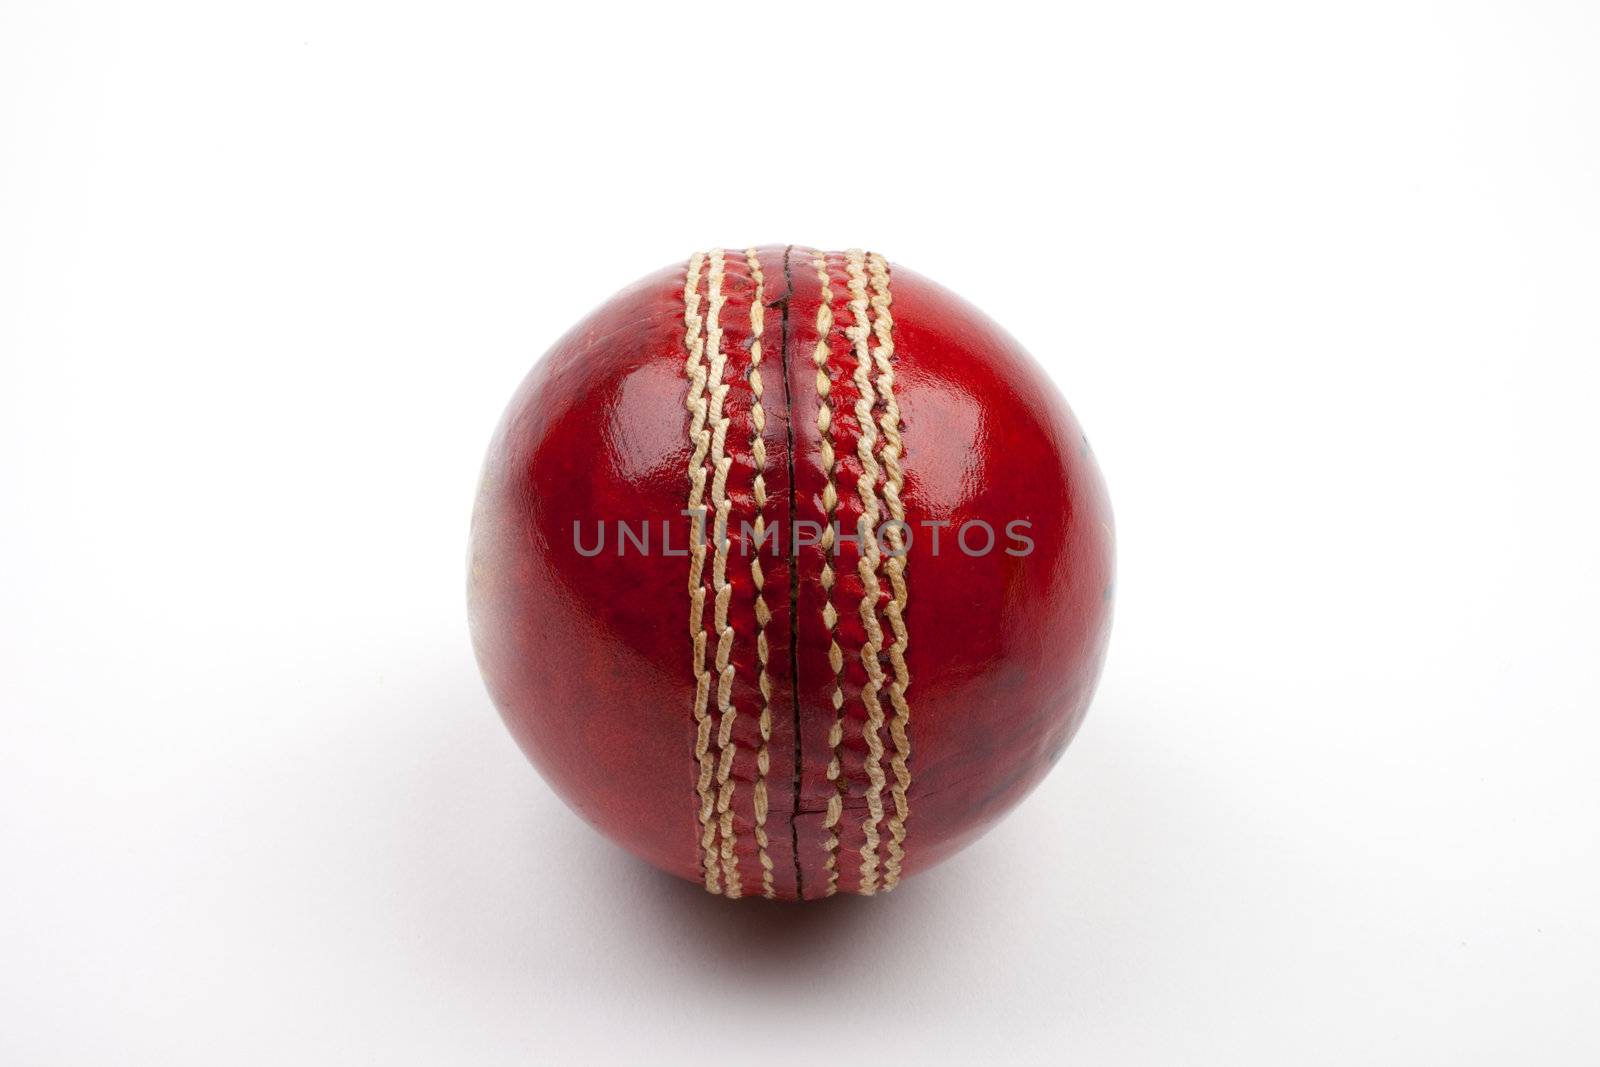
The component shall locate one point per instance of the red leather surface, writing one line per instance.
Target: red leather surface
(589, 658)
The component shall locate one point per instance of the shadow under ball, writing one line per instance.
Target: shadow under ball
(790, 572)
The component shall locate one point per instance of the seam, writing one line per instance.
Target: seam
(868, 566)
(895, 565)
(794, 575)
(758, 455)
(700, 441)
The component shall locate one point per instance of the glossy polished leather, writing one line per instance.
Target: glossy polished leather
(589, 657)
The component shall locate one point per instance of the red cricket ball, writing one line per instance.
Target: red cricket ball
(791, 571)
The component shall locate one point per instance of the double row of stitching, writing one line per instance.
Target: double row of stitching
(710, 506)
(878, 450)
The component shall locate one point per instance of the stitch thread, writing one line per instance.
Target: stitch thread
(758, 455)
(721, 463)
(700, 439)
(894, 565)
(868, 566)
(830, 617)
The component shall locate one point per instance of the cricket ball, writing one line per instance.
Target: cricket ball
(790, 571)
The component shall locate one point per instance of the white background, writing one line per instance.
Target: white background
(1319, 280)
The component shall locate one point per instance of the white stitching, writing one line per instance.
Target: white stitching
(720, 465)
(758, 455)
(867, 567)
(894, 565)
(830, 617)
(700, 439)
